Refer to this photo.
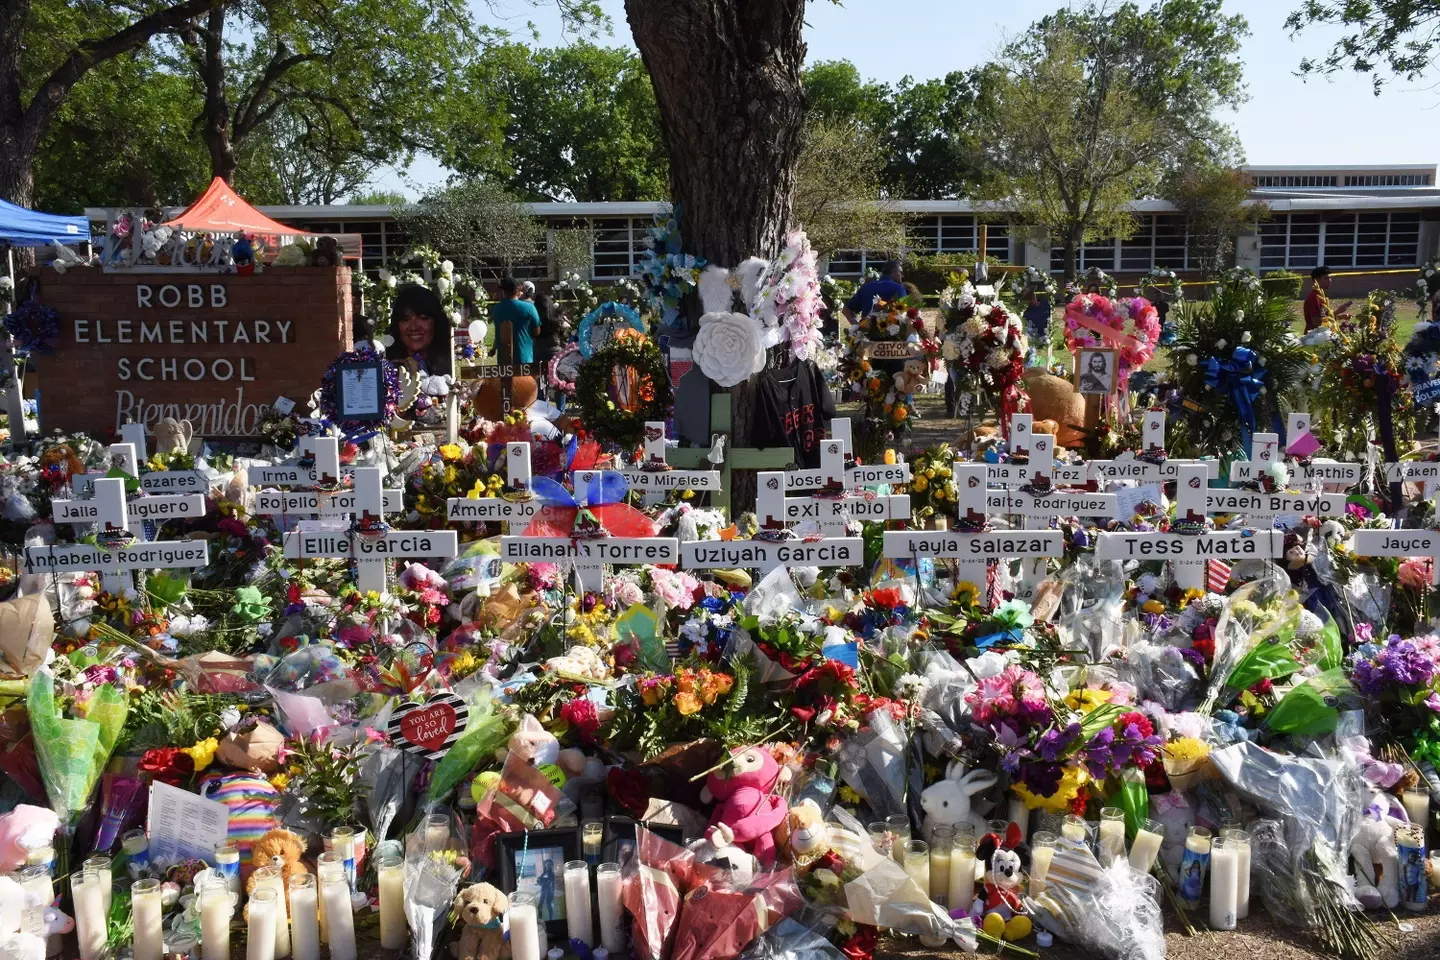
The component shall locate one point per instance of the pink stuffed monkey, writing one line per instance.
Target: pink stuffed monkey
(745, 805)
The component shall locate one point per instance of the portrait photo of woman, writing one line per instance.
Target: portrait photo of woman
(422, 331)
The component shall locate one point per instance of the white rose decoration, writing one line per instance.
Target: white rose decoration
(728, 348)
(893, 329)
(950, 350)
(447, 267)
(442, 286)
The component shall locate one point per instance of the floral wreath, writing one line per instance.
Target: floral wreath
(1425, 281)
(329, 392)
(1242, 278)
(552, 373)
(602, 416)
(34, 326)
(1095, 277)
(606, 310)
(1164, 280)
(790, 297)
(989, 349)
(1038, 280)
(667, 273)
(1132, 326)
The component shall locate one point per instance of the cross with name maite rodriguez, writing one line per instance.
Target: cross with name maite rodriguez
(517, 505)
(1400, 543)
(655, 476)
(1188, 552)
(971, 545)
(368, 539)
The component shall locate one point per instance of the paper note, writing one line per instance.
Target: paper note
(1128, 499)
(359, 391)
(183, 825)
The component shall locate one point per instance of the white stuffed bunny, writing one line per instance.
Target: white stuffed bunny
(947, 802)
(1375, 855)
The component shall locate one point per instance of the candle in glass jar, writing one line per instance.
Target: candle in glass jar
(1148, 840)
(898, 826)
(103, 866)
(135, 846)
(1240, 840)
(1111, 841)
(524, 928)
(391, 874)
(270, 878)
(437, 832)
(942, 842)
(962, 875)
(1074, 829)
(146, 913)
(1193, 864)
(260, 924)
(1224, 883)
(1417, 806)
(577, 901)
(326, 858)
(917, 863)
(339, 915)
(1020, 816)
(612, 914)
(1410, 845)
(304, 918)
(342, 841)
(227, 863)
(1042, 851)
(592, 838)
(90, 926)
(216, 905)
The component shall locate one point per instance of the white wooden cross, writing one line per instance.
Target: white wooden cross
(327, 468)
(517, 475)
(131, 458)
(372, 552)
(1152, 438)
(1024, 440)
(661, 477)
(108, 509)
(141, 509)
(974, 551)
(588, 556)
(1264, 451)
(1400, 543)
(1188, 553)
(1333, 475)
(860, 476)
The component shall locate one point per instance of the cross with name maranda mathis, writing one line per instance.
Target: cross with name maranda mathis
(372, 552)
(517, 475)
(973, 549)
(1186, 552)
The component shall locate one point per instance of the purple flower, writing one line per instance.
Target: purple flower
(1041, 779)
(1433, 701)
(1405, 664)
(1369, 678)
(1055, 742)
(1364, 633)
(1098, 755)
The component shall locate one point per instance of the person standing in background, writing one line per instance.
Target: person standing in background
(520, 317)
(888, 286)
(1317, 305)
(548, 342)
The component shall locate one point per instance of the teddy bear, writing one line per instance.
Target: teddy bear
(718, 850)
(1376, 856)
(481, 908)
(278, 848)
(745, 801)
(1006, 860)
(804, 833)
(24, 827)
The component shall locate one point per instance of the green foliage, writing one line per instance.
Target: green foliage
(1380, 37)
(838, 192)
(1215, 202)
(473, 222)
(931, 272)
(163, 718)
(380, 198)
(1283, 283)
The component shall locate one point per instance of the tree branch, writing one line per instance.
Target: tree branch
(250, 115)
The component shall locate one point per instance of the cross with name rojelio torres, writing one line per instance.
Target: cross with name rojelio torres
(655, 476)
(971, 544)
(342, 503)
(518, 507)
(368, 539)
(119, 551)
(1189, 545)
(587, 555)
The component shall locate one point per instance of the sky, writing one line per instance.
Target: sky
(1286, 120)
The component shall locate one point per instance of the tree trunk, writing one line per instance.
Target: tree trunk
(1074, 237)
(17, 141)
(726, 75)
(216, 126)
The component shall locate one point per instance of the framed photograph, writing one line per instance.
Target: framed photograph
(534, 862)
(1096, 371)
(360, 390)
(620, 838)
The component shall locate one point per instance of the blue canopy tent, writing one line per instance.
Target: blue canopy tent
(30, 228)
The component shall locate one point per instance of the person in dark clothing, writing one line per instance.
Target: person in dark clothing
(548, 342)
(888, 286)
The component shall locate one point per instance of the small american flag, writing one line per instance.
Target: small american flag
(1217, 575)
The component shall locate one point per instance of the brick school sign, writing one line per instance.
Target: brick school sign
(216, 349)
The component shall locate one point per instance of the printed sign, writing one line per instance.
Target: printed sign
(430, 728)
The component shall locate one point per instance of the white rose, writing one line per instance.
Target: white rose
(1239, 315)
(984, 309)
(447, 267)
(387, 278)
(950, 350)
(893, 329)
(1219, 344)
(1245, 337)
(728, 348)
(442, 285)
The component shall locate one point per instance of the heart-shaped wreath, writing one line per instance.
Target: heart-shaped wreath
(34, 326)
(1131, 325)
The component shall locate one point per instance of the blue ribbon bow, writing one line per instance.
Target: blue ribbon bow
(1242, 378)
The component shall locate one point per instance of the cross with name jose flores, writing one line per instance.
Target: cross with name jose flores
(1188, 552)
(517, 475)
(831, 511)
(656, 476)
(588, 556)
(971, 546)
(1128, 466)
(109, 510)
(371, 551)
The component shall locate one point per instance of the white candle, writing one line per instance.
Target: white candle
(1020, 815)
(391, 872)
(1417, 806)
(917, 863)
(1112, 837)
(325, 861)
(612, 914)
(1041, 853)
(215, 910)
(12, 903)
(304, 922)
(146, 912)
(1148, 840)
(1241, 842)
(270, 878)
(524, 932)
(940, 873)
(1224, 882)
(90, 926)
(339, 916)
(227, 863)
(577, 901)
(1074, 829)
(101, 864)
(260, 928)
(962, 877)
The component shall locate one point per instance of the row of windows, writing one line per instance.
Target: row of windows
(929, 235)
(1388, 180)
(1294, 180)
(1307, 240)
(1160, 240)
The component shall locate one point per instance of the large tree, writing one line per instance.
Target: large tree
(572, 123)
(1384, 38)
(1216, 205)
(839, 199)
(46, 47)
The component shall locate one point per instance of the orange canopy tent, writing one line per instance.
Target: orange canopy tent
(221, 210)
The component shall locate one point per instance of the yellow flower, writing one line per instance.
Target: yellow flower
(279, 781)
(1086, 699)
(1153, 606)
(966, 594)
(203, 753)
(687, 703)
(848, 795)
(1187, 748)
(450, 451)
(1074, 777)
(920, 483)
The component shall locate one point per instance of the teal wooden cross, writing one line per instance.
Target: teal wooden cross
(744, 458)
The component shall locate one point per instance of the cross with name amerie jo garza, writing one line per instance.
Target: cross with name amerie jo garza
(1189, 544)
(516, 507)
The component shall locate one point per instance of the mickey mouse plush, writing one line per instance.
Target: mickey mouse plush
(1006, 861)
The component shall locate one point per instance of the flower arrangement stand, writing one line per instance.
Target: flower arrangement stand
(741, 458)
(517, 477)
(662, 476)
(1189, 553)
(971, 546)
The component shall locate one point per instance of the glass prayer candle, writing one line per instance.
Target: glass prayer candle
(1111, 837)
(1020, 816)
(1193, 866)
(342, 841)
(1224, 883)
(898, 827)
(135, 847)
(612, 913)
(1042, 851)
(942, 843)
(1075, 829)
(577, 901)
(260, 924)
(391, 873)
(1146, 846)
(102, 865)
(304, 916)
(592, 839)
(524, 927)
(326, 857)
(962, 873)
(271, 878)
(147, 916)
(91, 928)
(227, 863)
(217, 904)
(1417, 806)
(339, 914)
(880, 838)
(917, 862)
(1240, 839)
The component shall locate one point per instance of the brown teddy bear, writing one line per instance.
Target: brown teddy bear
(481, 908)
(281, 848)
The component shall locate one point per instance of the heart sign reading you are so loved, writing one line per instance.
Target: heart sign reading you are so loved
(429, 728)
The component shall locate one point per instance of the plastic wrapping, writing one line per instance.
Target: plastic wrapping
(1113, 911)
(886, 896)
(718, 922)
(791, 940)
(430, 888)
(656, 880)
(1250, 648)
(872, 762)
(1091, 605)
(1164, 675)
(485, 731)
(73, 752)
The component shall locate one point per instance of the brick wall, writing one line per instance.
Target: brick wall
(302, 315)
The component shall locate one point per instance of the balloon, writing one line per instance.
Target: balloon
(478, 329)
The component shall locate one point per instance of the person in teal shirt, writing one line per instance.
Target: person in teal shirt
(522, 319)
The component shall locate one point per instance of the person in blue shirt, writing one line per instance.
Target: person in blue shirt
(888, 286)
(521, 317)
